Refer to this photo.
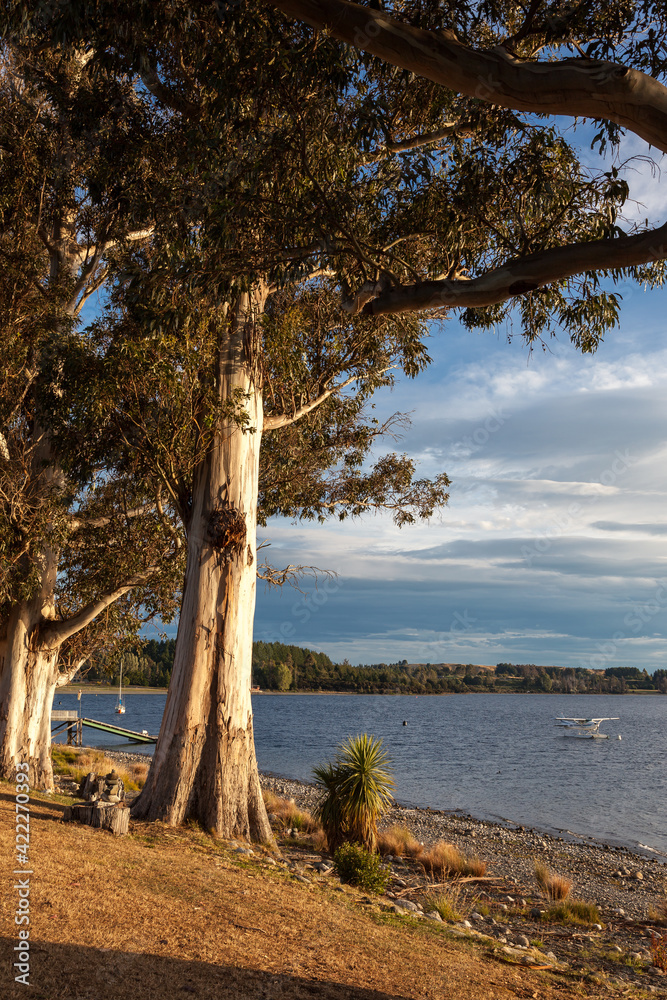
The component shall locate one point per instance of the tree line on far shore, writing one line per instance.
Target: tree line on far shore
(279, 667)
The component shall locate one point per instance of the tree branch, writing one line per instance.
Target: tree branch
(65, 676)
(285, 419)
(167, 97)
(101, 522)
(54, 633)
(524, 274)
(576, 87)
(452, 128)
(290, 574)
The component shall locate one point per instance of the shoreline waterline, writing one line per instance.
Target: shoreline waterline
(307, 791)
(498, 758)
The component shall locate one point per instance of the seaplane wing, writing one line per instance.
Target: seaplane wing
(586, 722)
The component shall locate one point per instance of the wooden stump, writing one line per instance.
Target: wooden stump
(114, 816)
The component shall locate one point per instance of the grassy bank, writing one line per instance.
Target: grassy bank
(174, 912)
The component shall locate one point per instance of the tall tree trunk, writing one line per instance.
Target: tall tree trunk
(28, 677)
(204, 767)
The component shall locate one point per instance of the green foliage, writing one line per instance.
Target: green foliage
(357, 791)
(572, 912)
(354, 864)
(446, 902)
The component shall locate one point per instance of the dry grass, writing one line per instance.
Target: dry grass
(659, 950)
(399, 841)
(289, 815)
(572, 911)
(445, 860)
(658, 913)
(170, 912)
(555, 887)
(449, 903)
(78, 763)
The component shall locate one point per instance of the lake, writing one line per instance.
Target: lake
(495, 756)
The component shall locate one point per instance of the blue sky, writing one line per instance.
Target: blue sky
(553, 548)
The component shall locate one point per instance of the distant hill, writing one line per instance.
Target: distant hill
(280, 667)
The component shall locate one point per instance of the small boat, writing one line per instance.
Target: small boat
(584, 729)
(120, 707)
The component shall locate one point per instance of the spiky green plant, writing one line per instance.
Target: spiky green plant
(330, 811)
(357, 789)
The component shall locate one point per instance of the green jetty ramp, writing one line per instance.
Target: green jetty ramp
(128, 734)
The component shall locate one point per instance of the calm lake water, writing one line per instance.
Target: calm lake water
(493, 756)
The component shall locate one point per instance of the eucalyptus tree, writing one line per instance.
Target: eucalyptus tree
(294, 170)
(163, 406)
(546, 61)
(63, 213)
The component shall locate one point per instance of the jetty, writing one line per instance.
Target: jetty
(75, 724)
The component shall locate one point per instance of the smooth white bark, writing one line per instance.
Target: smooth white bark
(204, 767)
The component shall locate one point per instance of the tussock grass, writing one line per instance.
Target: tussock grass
(319, 841)
(659, 951)
(447, 861)
(447, 902)
(571, 911)
(399, 841)
(77, 764)
(289, 815)
(555, 887)
(658, 913)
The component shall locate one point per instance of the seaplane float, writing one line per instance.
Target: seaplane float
(585, 729)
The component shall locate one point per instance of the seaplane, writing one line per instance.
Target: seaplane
(585, 729)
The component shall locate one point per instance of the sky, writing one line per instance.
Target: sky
(553, 547)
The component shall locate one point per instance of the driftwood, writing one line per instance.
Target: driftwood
(91, 785)
(113, 816)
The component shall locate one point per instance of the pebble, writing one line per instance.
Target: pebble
(407, 904)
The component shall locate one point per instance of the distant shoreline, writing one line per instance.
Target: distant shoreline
(137, 689)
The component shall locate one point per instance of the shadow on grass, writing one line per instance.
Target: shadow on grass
(51, 810)
(79, 973)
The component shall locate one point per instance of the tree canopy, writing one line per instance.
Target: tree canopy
(599, 61)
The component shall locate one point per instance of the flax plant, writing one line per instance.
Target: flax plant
(357, 792)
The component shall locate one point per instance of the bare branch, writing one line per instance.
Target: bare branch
(167, 97)
(451, 128)
(290, 574)
(75, 523)
(65, 676)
